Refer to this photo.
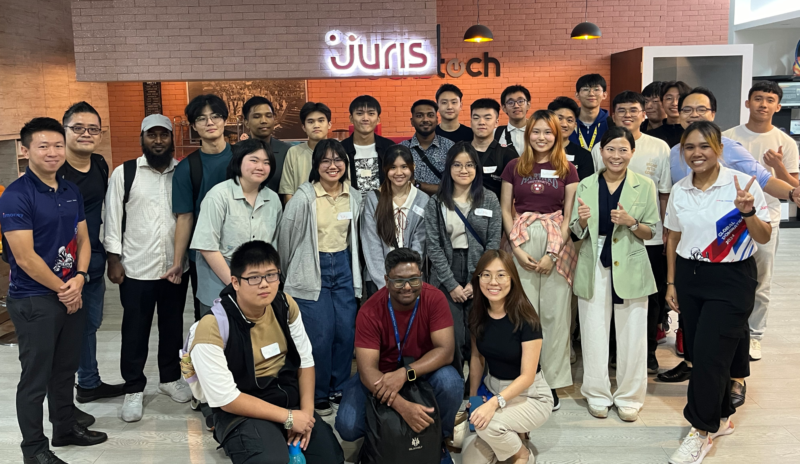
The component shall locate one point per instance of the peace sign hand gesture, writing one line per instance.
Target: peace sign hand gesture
(744, 199)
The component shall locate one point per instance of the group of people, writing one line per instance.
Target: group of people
(469, 258)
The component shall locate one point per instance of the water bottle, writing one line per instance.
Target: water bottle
(296, 455)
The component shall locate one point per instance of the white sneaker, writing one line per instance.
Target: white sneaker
(755, 350)
(725, 428)
(628, 414)
(178, 390)
(600, 412)
(132, 407)
(693, 449)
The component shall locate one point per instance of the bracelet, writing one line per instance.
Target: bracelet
(750, 214)
(791, 194)
(670, 283)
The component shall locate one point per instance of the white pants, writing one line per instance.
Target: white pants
(765, 260)
(631, 325)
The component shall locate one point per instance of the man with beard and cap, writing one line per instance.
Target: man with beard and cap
(428, 148)
(140, 242)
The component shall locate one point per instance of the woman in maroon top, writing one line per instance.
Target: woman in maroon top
(537, 194)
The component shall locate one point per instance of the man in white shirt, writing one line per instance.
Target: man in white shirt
(778, 153)
(516, 101)
(651, 159)
(140, 242)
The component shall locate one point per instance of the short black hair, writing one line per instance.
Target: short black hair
(449, 88)
(561, 103)
(401, 256)
(617, 132)
(254, 253)
(590, 80)
(766, 87)
(195, 107)
(627, 96)
(683, 88)
(514, 89)
(700, 91)
(39, 125)
(322, 149)
(485, 103)
(252, 102)
(653, 89)
(424, 102)
(244, 148)
(365, 102)
(311, 107)
(80, 107)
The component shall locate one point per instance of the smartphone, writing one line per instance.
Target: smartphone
(475, 402)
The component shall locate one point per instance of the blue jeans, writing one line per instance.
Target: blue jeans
(93, 293)
(448, 387)
(330, 323)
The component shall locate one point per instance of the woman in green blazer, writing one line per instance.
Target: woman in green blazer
(615, 211)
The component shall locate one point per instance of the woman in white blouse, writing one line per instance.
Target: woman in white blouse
(715, 216)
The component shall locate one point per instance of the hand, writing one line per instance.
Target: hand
(295, 437)
(672, 298)
(417, 416)
(468, 290)
(584, 213)
(744, 199)
(621, 217)
(664, 237)
(458, 295)
(302, 421)
(481, 417)
(73, 307)
(774, 159)
(525, 260)
(116, 273)
(545, 265)
(174, 274)
(388, 386)
(71, 291)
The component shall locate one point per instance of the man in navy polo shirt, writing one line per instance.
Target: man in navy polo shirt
(48, 250)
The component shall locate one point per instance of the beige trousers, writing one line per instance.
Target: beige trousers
(551, 296)
(500, 439)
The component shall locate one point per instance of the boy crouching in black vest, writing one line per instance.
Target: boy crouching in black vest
(256, 371)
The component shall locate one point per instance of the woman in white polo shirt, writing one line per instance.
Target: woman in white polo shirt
(711, 277)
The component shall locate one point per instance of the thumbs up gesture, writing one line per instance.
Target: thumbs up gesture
(584, 213)
(621, 217)
(744, 199)
(774, 159)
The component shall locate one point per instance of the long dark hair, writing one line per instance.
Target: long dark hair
(445, 193)
(384, 212)
(322, 149)
(244, 148)
(517, 305)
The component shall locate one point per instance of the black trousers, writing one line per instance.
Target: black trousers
(257, 441)
(50, 342)
(196, 302)
(460, 311)
(715, 300)
(140, 299)
(656, 304)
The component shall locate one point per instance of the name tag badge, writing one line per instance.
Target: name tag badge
(270, 350)
(345, 216)
(489, 169)
(548, 174)
(418, 210)
(483, 212)
(365, 173)
(570, 158)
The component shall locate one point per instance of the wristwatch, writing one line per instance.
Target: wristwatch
(85, 276)
(634, 226)
(411, 374)
(553, 256)
(289, 422)
(501, 401)
(750, 214)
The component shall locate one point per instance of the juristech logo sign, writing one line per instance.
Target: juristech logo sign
(372, 55)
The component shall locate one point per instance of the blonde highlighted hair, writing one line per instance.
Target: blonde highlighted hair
(710, 132)
(558, 157)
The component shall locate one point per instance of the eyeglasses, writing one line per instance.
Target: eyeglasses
(589, 90)
(81, 129)
(327, 162)
(632, 111)
(486, 277)
(701, 110)
(203, 120)
(256, 280)
(459, 166)
(512, 103)
(399, 284)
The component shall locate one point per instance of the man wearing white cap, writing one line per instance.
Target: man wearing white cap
(140, 242)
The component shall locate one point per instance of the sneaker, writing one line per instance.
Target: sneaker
(600, 412)
(679, 342)
(738, 393)
(661, 335)
(45, 457)
(652, 364)
(693, 449)
(132, 407)
(726, 428)
(335, 400)
(178, 390)
(556, 402)
(104, 390)
(323, 408)
(755, 350)
(195, 404)
(628, 414)
(680, 373)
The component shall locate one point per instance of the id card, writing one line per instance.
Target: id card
(270, 350)
(345, 216)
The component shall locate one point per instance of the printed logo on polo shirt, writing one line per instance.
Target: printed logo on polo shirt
(415, 444)
(731, 237)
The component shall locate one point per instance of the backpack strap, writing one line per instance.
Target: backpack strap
(428, 163)
(222, 321)
(128, 174)
(196, 174)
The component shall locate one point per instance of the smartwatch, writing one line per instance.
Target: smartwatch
(750, 214)
(85, 276)
(411, 374)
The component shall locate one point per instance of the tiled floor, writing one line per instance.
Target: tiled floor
(768, 425)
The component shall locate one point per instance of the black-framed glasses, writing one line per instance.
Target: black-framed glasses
(626, 111)
(399, 284)
(326, 162)
(513, 103)
(701, 110)
(93, 130)
(272, 277)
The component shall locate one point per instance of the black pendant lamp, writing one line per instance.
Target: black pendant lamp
(478, 33)
(586, 30)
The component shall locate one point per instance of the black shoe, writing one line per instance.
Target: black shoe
(738, 392)
(84, 419)
(80, 436)
(556, 402)
(86, 395)
(323, 408)
(45, 457)
(652, 363)
(679, 373)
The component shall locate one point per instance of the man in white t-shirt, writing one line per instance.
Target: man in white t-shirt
(778, 153)
(651, 159)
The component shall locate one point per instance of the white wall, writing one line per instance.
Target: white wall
(755, 10)
(773, 49)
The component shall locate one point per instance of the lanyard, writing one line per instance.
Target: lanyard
(408, 329)
(583, 142)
